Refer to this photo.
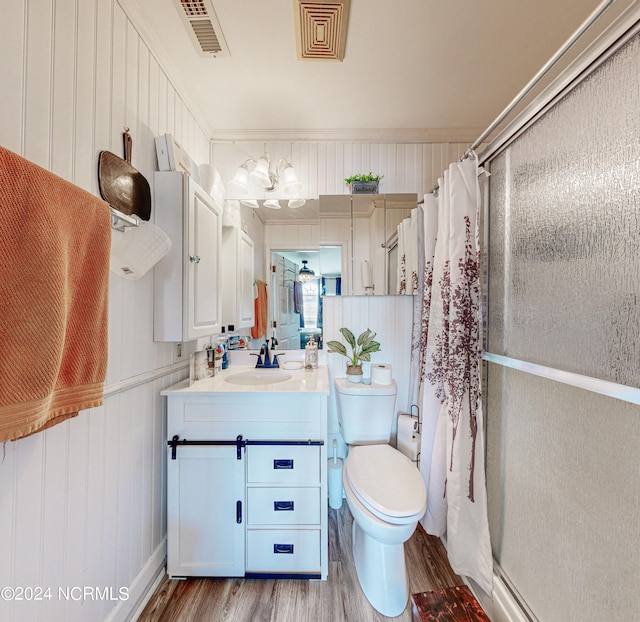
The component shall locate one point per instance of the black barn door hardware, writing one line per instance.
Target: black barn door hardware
(239, 443)
(176, 442)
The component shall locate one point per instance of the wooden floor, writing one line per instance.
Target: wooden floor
(339, 599)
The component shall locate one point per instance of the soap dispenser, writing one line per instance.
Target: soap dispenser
(221, 349)
(311, 354)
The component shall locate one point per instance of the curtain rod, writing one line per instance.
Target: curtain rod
(543, 71)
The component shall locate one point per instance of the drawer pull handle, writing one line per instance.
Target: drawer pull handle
(283, 506)
(283, 464)
(279, 549)
(238, 512)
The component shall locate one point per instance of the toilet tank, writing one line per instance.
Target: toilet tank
(365, 411)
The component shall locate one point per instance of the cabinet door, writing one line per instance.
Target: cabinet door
(205, 512)
(203, 299)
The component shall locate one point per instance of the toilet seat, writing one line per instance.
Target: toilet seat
(386, 482)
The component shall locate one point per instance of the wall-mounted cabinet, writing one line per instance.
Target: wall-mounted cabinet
(237, 278)
(187, 283)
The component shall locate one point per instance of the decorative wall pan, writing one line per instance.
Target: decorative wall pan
(121, 185)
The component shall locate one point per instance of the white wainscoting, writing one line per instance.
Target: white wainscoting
(82, 504)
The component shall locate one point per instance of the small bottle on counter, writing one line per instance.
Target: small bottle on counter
(221, 349)
(233, 338)
(311, 354)
(217, 361)
(211, 359)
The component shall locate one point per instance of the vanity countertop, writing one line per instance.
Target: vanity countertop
(301, 381)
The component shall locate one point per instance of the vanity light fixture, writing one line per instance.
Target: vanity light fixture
(267, 177)
(263, 174)
(272, 203)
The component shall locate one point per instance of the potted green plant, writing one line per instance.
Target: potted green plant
(361, 349)
(364, 184)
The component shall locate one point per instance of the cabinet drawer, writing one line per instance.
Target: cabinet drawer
(283, 506)
(283, 550)
(283, 464)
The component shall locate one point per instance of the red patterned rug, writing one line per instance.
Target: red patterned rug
(451, 604)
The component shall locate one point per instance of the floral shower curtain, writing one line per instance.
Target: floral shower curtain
(408, 254)
(449, 360)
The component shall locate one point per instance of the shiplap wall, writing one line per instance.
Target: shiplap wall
(82, 504)
(323, 166)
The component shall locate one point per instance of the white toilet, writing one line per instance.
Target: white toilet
(384, 490)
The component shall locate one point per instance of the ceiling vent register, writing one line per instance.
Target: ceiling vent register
(321, 29)
(203, 27)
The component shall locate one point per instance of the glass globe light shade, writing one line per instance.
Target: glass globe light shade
(272, 204)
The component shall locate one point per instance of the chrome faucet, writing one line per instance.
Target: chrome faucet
(268, 362)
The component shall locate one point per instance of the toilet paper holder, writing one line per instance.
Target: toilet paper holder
(410, 446)
(414, 413)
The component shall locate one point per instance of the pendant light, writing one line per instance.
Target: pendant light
(306, 273)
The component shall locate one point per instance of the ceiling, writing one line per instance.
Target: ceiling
(409, 64)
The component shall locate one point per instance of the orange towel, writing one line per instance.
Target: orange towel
(54, 258)
(260, 311)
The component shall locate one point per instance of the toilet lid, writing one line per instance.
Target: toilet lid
(385, 481)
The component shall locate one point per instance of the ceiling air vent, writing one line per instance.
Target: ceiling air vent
(203, 27)
(321, 29)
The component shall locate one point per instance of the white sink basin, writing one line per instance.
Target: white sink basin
(258, 376)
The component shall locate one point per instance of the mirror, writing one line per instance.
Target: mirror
(373, 264)
(300, 280)
(353, 239)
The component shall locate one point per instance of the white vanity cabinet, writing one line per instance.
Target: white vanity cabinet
(247, 480)
(237, 278)
(187, 282)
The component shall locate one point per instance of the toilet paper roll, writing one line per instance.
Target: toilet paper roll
(381, 373)
(408, 437)
(407, 426)
(334, 477)
(366, 275)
